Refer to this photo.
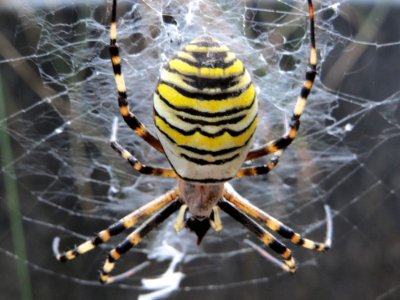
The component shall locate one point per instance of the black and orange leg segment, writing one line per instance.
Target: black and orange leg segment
(125, 112)
(126, 222)
(283, 142)
(134, 239)
(275, 225)
(138, 166)
(262, 169)
(263, 235)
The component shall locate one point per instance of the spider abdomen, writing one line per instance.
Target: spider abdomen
(205, 111)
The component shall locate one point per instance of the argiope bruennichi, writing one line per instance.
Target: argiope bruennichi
(205, 113)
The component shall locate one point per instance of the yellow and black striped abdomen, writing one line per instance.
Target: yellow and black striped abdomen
(205, 111)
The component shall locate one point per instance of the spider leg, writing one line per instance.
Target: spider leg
(245, 206)
(294, 124)
(134, 238)
(138, 166)
(263, 169)
(116, 228)
(127, 115)
(267, 238)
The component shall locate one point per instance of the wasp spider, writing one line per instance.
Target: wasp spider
(205, 113)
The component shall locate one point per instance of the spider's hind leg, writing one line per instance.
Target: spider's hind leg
(283, 142)
(129, 117)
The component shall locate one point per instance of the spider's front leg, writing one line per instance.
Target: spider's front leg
(263, 235)
(272, 223)
(134, 238)
(126, 222)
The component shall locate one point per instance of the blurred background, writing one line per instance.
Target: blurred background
(60, 179)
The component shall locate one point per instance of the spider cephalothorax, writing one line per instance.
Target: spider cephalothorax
(198, 212)
(205, 112)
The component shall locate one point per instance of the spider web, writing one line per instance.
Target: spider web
(60, 178)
